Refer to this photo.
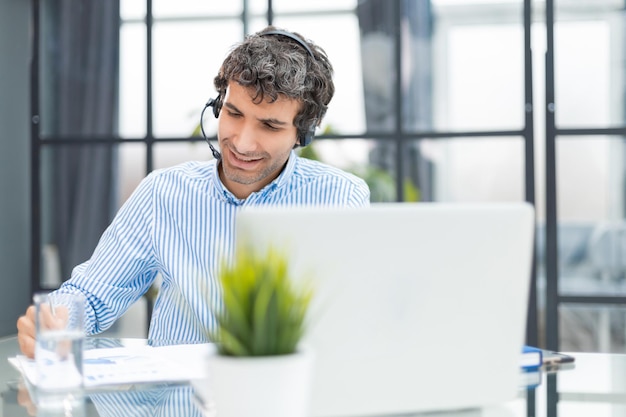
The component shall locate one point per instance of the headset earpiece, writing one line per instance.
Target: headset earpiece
(307, 138)
(217, 105)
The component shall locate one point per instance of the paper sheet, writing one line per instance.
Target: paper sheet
(133, 365)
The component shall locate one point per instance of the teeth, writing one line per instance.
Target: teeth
(246, 160)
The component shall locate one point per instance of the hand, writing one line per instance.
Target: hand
(26, 332)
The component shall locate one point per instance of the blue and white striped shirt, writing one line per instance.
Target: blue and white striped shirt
(179, 223)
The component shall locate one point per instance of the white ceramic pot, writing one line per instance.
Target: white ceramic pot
(267, 386)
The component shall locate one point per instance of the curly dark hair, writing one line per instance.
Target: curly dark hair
(275, 65)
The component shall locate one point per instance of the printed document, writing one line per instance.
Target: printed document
(133, 365)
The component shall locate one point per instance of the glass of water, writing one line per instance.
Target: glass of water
(60, 334)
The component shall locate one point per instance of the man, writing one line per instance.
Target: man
(273, 90)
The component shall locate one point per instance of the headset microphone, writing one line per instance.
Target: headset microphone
(210, 103)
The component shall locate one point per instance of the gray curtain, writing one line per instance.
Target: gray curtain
(79, 86)
(377, 26)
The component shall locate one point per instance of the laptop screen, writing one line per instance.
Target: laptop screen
(417, 307)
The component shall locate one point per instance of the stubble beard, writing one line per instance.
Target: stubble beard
(247, 178)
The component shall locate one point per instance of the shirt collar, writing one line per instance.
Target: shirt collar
(287, 173)
(282, 179)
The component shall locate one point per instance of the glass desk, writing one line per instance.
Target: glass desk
(594, 386)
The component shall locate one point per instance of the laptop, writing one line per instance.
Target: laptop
(417, 307)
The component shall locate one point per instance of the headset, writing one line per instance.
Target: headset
(216, 103)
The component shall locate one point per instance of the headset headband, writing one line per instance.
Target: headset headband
(291, 36)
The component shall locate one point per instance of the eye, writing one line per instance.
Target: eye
(271, 127)
(233, 114)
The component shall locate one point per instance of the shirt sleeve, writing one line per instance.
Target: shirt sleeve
(123, 265)
(360, 196)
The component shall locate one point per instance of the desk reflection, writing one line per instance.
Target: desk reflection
(161, 401)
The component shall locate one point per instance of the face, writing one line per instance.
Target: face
(255, 139)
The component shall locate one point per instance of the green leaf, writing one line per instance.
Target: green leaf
(260, 319)
(230, 345)
(235, 314)
(263, 312)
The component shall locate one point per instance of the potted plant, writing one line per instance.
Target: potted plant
(260, 368)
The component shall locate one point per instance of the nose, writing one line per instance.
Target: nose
(245, 141)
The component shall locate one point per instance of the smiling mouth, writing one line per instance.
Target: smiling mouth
(243, 162)
(244, 159)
